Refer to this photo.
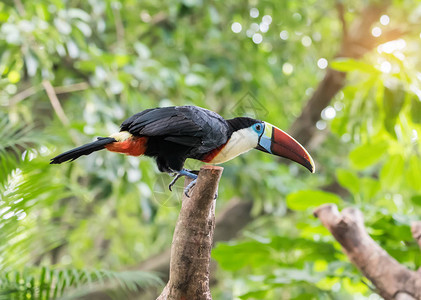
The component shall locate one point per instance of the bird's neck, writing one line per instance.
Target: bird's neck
(239, 123)
(239, 142)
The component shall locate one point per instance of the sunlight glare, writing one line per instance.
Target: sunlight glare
(392, 46)
(267, 19)
(306, 41)
(284, 35)
(376, 31)
(21, 215)
(399, 55)
(287, 68)
(254, 12)
(264, 27)
(328, 113)
(386, 67)
(322, 63)
(257, 38)
(236, 27)
(384, 20)
(321, 125)
(414, 136)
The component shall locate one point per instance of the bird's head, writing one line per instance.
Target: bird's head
(270, 139)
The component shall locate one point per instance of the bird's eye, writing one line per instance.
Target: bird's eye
(258, 127)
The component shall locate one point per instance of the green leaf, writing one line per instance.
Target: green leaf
(303, 200)
(416, 199)
(368, 154)
(391, 172)
(416, 109)
(258, 294)
(393, 101)
(234, 257)
(369, 188)
(413, 173)
(348, 180)
(347, 65)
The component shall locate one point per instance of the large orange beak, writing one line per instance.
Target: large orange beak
(275, 141)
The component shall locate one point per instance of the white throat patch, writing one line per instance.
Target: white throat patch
(241, 141)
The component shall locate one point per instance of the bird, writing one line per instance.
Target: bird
(173, 134)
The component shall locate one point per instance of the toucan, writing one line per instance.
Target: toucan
(173, 134)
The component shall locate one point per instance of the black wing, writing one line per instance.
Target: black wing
(185, 125)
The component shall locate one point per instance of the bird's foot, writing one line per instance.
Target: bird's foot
(184, 172)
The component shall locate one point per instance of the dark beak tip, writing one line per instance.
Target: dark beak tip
(311, 166)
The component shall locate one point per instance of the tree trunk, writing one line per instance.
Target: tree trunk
(193, 239)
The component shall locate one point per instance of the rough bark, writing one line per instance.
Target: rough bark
(392, 280)
(192, 240)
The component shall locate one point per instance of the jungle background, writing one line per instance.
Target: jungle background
(341, 76)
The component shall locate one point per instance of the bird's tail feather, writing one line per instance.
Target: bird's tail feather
(82, 150)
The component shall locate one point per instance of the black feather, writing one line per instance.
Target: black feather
(177, 133)
(82, 150)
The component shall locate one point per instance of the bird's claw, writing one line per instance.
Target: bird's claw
(189, 187)
(184, 172)
(177, 176)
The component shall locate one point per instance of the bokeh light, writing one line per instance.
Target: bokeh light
(386, 67)
(328, 113)
(322, 63)
(287, 68)
(264, 27)
(284, 35)
(254, 12)
(236, 27)
(257, 38)
(392, 46)
(306, 41)
(376, 31)
(384, 20)
(267, 19)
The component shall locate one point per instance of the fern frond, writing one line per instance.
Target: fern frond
(16, 142)
(45, 283)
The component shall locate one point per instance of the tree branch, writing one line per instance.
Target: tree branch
(192, 240)
(341, 14)
(32, 90)
(55, 103)
(392, 280)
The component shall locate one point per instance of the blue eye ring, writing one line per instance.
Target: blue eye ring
(258, 127)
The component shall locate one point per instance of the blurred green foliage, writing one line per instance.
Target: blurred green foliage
(110, 59)
(45, 283)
